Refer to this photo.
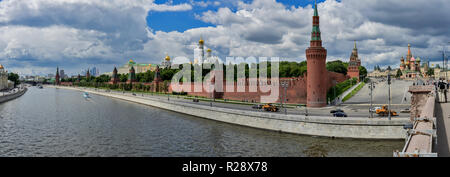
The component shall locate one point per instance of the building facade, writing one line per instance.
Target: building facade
(139, 68)
(3, 78)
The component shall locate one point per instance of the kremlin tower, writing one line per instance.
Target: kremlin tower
(57, 80)
(353, 64)
(316, 57)
(115, 77)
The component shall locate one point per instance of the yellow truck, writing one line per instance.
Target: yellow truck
(271, 108)
(384, 111)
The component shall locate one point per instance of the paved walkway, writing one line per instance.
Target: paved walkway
(442, 112)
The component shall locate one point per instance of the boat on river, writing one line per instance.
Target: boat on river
(86, 95)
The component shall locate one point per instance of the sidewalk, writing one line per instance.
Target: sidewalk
(442, 112)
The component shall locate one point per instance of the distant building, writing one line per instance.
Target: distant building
(353, 64)
(4, 82)
(199, 54)
(94, 72)
(166, 63)
(411, 66)
(57, 78)
(62, 75)
(139, 68)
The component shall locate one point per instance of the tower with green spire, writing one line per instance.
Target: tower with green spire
(316, 56)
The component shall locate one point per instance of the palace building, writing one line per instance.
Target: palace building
(139, 68)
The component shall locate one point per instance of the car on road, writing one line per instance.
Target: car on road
(195, 100)
(339, 114)
(406, 110)
(336, 110)
(374, 109)
(257, 106)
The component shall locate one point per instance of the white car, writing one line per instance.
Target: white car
(374, 109)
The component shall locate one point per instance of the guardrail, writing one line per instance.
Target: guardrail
(422, 133)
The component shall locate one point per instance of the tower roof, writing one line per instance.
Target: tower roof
(355, 45)
(315, 34)
(201, 41)
(315, 9)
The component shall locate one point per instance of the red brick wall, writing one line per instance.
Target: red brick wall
(296, 92)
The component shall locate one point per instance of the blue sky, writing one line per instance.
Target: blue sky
(38, 35)
(181, 21)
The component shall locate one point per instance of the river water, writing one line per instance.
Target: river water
(59, 122)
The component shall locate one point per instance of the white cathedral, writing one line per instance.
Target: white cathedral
(199, 54)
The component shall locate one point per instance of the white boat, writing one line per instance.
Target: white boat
(86, 95)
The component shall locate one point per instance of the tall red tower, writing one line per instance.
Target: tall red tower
(316, 56)
(57, 80)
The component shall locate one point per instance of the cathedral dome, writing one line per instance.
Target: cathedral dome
(412, 59)
(209, 50)
(167, 58)
(1, 67)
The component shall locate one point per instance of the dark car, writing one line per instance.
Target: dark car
(336, 110)
(340, 114)
(195, 100)
(257, 106)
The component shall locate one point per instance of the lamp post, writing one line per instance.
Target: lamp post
(389, 93)
(285, 85)
(371, 87)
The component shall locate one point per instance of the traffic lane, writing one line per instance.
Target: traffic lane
(360, 112)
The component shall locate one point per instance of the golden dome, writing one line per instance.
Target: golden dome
(1, 67)
(201, 41)
(209, 50)
(167, 58)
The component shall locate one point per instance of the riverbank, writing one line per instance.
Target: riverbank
(11, 96)
(355, 127)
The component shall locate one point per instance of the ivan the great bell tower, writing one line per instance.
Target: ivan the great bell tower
(317, 75)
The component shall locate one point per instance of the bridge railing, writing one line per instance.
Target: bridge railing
(422, 134)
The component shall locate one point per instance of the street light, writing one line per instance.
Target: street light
(371, 87)
(389, 93)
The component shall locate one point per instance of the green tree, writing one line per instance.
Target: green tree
(399, 73)
(14, 77)
(430, 72)
(337, 66)
(362, 72)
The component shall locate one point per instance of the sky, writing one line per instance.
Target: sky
(36, 36)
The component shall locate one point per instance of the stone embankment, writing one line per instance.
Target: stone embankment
(360, 128)
(10, 96)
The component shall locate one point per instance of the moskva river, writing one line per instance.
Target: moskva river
(59, 122)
